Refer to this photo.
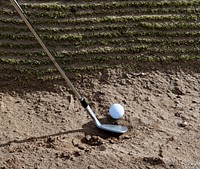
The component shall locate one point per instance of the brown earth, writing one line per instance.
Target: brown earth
(42, 125)
(45, 126)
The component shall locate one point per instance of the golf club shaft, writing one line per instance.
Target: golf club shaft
(25, 19)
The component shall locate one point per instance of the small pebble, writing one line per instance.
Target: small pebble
(88, 137)
(183, 124)
(91, 167)
(126, 137)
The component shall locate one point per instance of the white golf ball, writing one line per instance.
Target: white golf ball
(116, 111)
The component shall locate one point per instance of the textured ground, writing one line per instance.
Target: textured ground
(141, 54)
(47, 128)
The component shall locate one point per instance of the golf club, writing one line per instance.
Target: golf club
(108, 127)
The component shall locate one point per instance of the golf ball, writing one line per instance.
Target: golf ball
(116, 111)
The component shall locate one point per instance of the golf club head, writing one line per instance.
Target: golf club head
(107, 127)
(113, 128)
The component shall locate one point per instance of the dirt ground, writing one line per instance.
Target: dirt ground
(46, 127)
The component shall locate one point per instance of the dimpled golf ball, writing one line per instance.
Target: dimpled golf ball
(116, 111)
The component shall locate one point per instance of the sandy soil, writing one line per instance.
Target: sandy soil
(47, 128)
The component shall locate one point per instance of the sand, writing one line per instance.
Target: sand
(46, 127)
